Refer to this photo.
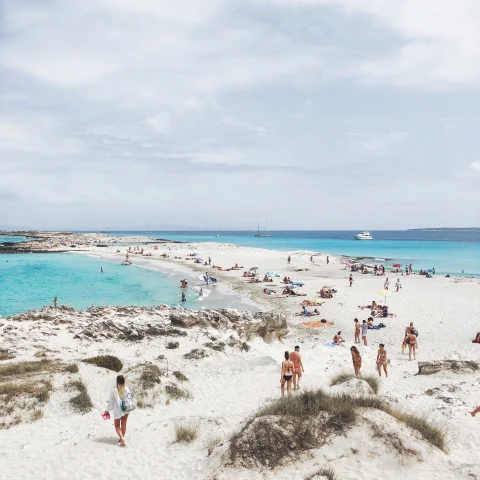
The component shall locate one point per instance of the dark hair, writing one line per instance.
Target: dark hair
(356, 320)
(355, 349)
(370, 318)
(120, 380)
(287, 355)
(382, 345)
(296, 346)
(364, 321)
(339, 333)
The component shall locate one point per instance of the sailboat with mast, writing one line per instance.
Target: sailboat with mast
(262, 234)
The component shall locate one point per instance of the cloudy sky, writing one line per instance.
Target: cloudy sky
(313, 114)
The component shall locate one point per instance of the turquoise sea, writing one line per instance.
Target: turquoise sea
(30, 281)
(456, 252)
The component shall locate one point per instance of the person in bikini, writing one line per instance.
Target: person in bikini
(412, 343)
(408, 330)
(286, 375)
(357, 360)
(382, 360)
(298, 369)
(357, 331)
(338, 338)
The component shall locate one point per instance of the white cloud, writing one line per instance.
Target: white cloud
(160, 123)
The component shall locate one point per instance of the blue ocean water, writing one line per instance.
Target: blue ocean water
(29, 281)
(7, 238)
(455, 252)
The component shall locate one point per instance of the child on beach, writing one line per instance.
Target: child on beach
(356, 359)
(286, 375)
(382, 360)
(115, 404)
(357, 331)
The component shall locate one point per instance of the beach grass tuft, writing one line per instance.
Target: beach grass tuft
(81, 403)
(244, 346)
(6, 354)
(328, 473)
(212, 441)
(19, 369)
(373, 381)
(109, 362)
(187, 431)
(172, 345)
(150, 376)
(72, 368)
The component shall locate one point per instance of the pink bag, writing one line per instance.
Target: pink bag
(106, 415)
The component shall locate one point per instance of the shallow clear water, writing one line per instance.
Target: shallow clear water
(7, 238)
(31, 281)
(449, 251)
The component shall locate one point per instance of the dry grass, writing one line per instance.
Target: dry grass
(392, 440)
(306, 420)
(196, 354)
(244, 346)
(72, 368)
(212, 441)
(180, 376)
(81, 403)
(373, 381)
(187, 431)
(150, 376)
(219, 347)
(322, 472)
(25, 368)
(177, 393)
(172, 345)
(109, 362)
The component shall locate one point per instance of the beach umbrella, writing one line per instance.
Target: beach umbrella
(385, 293)
(430, 270)
(396, 265)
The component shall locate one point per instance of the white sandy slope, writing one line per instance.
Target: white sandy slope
(227, 387)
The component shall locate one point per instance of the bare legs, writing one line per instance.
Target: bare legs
(412, 348)
(357, 337)
(289, 387)
(121, 429)
(297, 376)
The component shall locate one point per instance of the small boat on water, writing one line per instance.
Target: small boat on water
(262, 234)
(363, 236)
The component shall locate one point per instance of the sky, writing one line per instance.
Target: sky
(311, 114)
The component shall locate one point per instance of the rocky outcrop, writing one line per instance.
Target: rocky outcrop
(136, 323)
(456, 366)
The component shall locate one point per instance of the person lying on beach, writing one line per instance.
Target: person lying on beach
(311, 303)
(356, 359)
(477, 338)
(306, 313)
(296, 294)
(338, 338)
(382, 360)
(475, 411)
(248, 274)
(286, 375)
(267, 291)
(266, 279)
(253, 280)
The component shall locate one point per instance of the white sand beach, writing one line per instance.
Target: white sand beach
(228, 386)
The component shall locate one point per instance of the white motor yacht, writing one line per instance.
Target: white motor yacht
(363, 236)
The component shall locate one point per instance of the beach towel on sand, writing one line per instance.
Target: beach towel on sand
(316, 324)
(331, 344)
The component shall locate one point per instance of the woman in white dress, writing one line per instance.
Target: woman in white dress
(115, 405)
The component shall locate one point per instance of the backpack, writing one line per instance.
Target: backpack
(128, 403)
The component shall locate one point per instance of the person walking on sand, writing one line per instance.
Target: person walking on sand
(115, 404)
(209, 261)
(364, 332)
(356, 359)
(350, 279)
(328, 259)
(398, 285)
(55, 300)
(298, 369)
(286, 375)
(206, 278)
(385, 285)
(289, 259)
(412, 343)
(408, 330)
(410, 269)
(382, 360)
(475, 411)
(357, 331)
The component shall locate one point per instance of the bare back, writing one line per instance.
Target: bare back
(296, 358)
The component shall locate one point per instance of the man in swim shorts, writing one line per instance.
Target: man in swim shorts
(298, 369)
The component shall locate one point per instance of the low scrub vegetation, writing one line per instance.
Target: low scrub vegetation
(196, 354)
(306, 420)
(244, 346)
(180, 376)
(6, 354)
(177, 393)
(150, 376)
(172, 345)
(373, 381)
(81, 403)
(109, 362)
(219, 347)
(187, 431)
(72, 368)
(19, 369)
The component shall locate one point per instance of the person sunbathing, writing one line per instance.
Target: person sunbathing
(254, 280)
(477, 338)
(267, 291)
(338, 338)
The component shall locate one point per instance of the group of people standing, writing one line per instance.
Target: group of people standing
(291, 372)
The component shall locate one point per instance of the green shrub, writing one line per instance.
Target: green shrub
(177, 393)
(106, 361)
(81, 403)
(180, 376)
(172, 345)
